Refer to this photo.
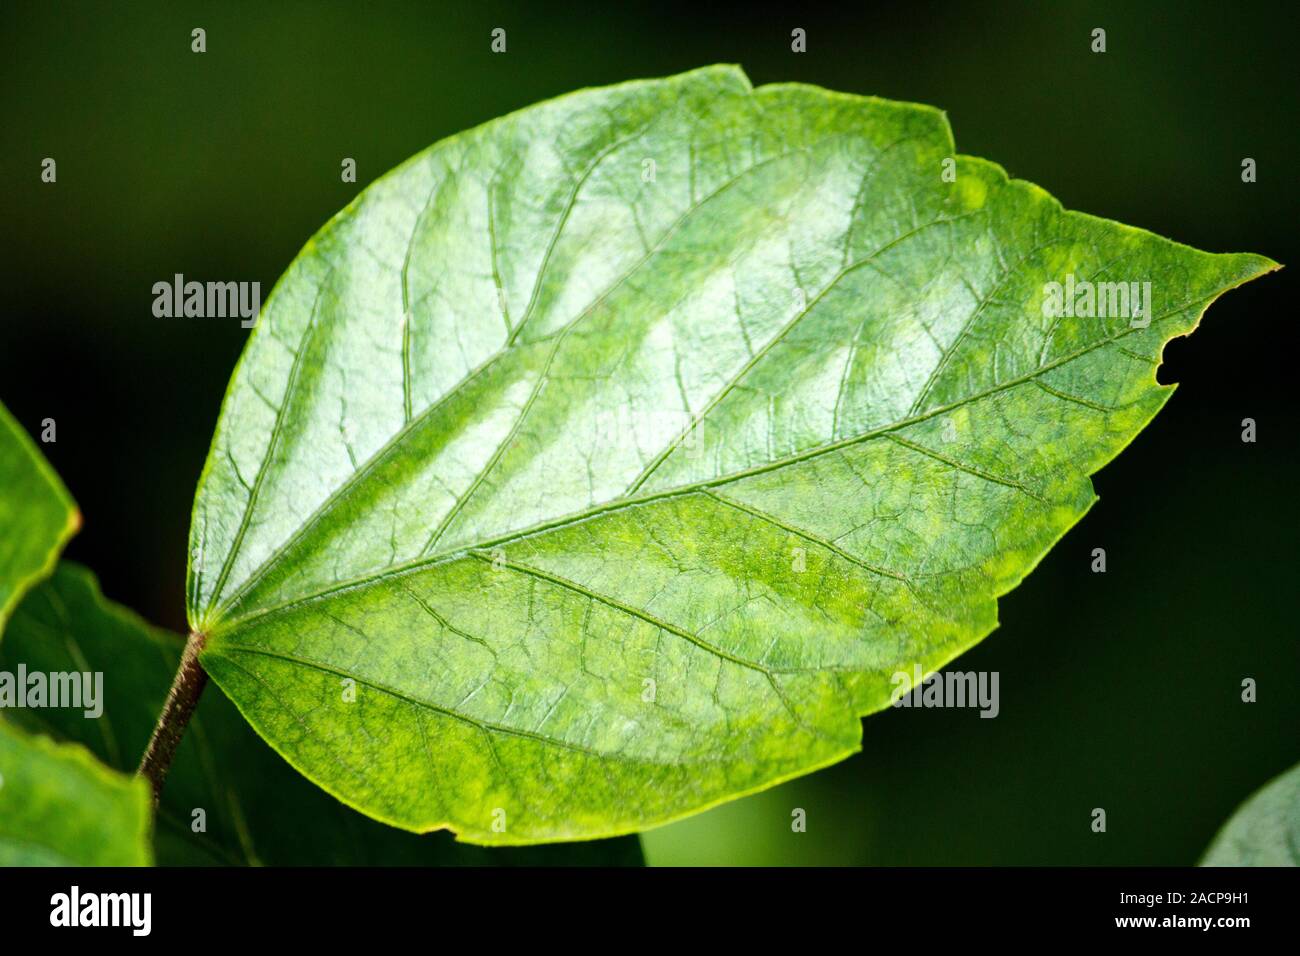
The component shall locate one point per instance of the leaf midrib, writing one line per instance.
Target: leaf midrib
(508, 347)
(394, 571)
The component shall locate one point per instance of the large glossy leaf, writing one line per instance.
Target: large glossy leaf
(37, 516)
(254, 808)
(622, 449)
(1265, 830)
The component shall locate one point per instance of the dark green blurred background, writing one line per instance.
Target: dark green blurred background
(1118, 691)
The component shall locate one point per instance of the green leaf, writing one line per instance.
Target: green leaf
(37, 515)
(256, 809)
(622, 449)
(61, 807)
(58, 805)
(1265, 830)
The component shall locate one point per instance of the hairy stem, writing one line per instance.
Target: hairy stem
(187, 686)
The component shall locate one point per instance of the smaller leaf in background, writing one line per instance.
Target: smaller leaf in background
(37, 515)
(61, 807)
(1265, 830)
(254, 807)
(58, 805)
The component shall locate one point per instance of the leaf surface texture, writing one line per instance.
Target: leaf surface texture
(254, 809)
(622, 449)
